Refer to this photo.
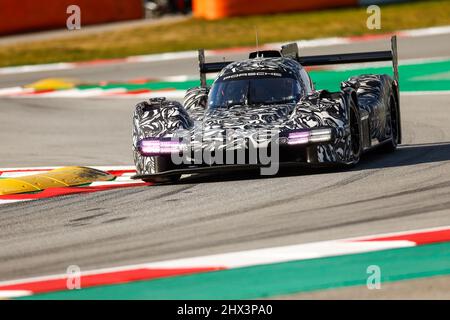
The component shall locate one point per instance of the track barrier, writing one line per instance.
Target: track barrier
(31, 15)
(219, 9)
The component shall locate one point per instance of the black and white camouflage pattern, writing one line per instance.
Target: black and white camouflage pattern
(322, 109)
(374, 92)
(158, 117)
(195, 101)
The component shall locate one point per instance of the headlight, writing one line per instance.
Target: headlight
(321, 135)
(159, 146)
(306, 136)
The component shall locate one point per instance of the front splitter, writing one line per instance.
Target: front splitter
(228, 168)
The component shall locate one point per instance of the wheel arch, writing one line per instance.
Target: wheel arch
(152, 119)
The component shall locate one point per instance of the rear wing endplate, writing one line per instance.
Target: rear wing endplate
(210, 67)
(291, 50)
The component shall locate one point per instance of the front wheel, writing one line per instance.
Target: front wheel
(159, 164)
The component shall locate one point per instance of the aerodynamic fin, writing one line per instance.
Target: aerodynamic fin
(208, 67)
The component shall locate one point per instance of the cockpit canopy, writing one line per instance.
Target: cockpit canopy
(253, 89)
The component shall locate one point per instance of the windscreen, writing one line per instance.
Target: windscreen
(250, 91)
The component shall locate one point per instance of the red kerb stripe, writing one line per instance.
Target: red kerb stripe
(105, 279)
(54, 192)
(419, 238)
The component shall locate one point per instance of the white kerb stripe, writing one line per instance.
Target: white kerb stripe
(8, 294)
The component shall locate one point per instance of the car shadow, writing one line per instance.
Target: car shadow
(405, 155)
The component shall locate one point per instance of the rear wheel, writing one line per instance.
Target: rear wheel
(355, 135)
(393, 124)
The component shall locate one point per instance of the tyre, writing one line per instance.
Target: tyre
(161, 164)
(355, 143)
(394, 127)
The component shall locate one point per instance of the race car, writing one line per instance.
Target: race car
(266, 112)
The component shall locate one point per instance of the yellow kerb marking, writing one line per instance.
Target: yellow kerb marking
(53, 83)
(63, 177)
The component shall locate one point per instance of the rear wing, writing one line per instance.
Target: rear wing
(373, 56)
(291, 50)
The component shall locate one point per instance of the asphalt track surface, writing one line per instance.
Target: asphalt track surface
(408, 189)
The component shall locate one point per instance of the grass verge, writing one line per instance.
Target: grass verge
(194, 33)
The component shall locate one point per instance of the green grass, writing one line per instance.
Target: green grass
(195, 33)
